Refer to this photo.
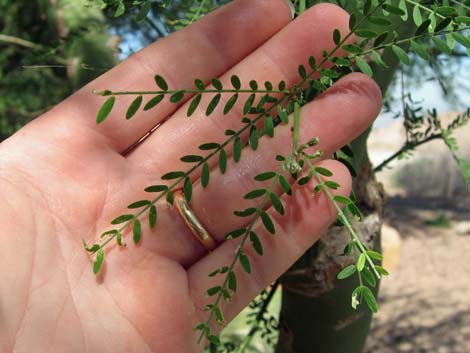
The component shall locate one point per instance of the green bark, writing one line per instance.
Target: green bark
(316, 314)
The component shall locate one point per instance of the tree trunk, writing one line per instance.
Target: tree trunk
(316, 314)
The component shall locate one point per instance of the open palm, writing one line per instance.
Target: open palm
(63, 178)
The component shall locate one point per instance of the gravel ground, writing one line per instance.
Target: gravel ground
(425, 302)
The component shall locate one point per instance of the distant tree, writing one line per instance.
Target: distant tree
(48, 49)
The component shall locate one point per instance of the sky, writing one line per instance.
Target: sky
(429, 93)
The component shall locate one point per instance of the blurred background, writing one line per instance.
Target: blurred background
(50, 48)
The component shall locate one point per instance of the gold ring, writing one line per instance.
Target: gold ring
(192, 222)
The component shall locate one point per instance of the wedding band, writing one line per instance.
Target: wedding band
(192, 222)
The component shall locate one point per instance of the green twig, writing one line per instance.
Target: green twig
(254, 329)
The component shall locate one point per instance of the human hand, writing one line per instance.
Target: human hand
(63, 178)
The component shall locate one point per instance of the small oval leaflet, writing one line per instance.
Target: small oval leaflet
(381, 270)
(237, 149)
(217, 84)
(332, 184)
(393, 10)
(230, 103)
(248, 104)
(380, 39)
(370, 299)
(346, 272)
(187, 189)
(191, 159)
(199, 84)
(98, 261)
(194, 104)
(255, 194)
(245, 262)
(209, 146)
(323, 171)
(134, 107)
(336, 37)
(123, 218)
(235, 80)
(156, 188)
(374, 255)
(177, 96)
(232, 281)
(365, 33)
(213, 104)
(344, 200)
(256, 243)
(269, 126)
(265, 176)
(417, 18)
(277, 204)
(267, 222)
(254, 85)
(137, 231)
(253, 138)
(205, 174)
(401, 54)
(160, 81)
(268, 85)
(302, 71)
(369, 277)
(285, 185)
(235, 233)
(153, 102)
(222, 161)
(152, 216)
(105, 109)
(173, 175)
(364, 66)
(361, 261)
(214, 290)
(283, 115)
(170, 197)
(139, 204)
(245, 213)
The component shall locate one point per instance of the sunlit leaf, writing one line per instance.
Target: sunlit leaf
(98, 263)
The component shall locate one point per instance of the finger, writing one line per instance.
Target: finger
(336, 117)
(276, 60)
(203, 50)
(307, 216)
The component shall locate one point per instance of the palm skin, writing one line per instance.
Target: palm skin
(62, 179)
(57, 303)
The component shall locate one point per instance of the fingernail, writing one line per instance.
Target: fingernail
(291, 7)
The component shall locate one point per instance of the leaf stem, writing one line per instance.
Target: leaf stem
(243, 240)
(406, 147)
(343, 217)
(187, 91)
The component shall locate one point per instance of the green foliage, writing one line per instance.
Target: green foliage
(46, 53)
(361, 55)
